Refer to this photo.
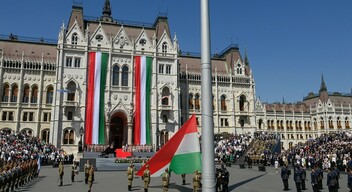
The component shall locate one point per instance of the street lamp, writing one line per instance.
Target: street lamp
(81, 132)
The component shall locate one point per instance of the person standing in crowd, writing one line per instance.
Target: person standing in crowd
(73, 171)
(183, 179)
(314, 179)
(130, 175)
(86, 171)
(276, 163)
(303, 178)
(284, 176)
(61, 172)
(166, 180)
(349, 180)
(90, 178)
(196, 181)
(146, 178)
(337, 175)
(297, 177)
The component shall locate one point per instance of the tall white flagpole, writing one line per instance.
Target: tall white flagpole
(207, 138)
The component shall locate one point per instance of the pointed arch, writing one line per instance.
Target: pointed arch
(26, 91)
(5, 93)
(124, 76)
(197, 101)
(190, 101)
(242, 101)
(34, 97)
(223, 102)
(165, 96)
(71, 88)
(14, 91)
(115, 75)
(49, 94)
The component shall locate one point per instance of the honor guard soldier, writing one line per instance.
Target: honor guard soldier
(303, 178)
(130, 175)
(297, 177)
(2, 179)
(331, 180)
(86, 171)
(146, 178)
(90, 178)
(74, 171)
(61, 172)
(196, 181)
(284, 176)
(320, 174)
(183, 179)
(225, 179)
(349, 180)
(314, 179)
(166, 180)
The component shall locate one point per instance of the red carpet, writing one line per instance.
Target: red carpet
(122, 154)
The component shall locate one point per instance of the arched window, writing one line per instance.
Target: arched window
(197, 101)
(74, 39)
(223, 103)
(164, 47)
(14, 93)
(34, 98)
(331, 124)
(26, 94)
(5, 93)
(339, 122)
(45, 135)
(190, 101)
(115, 75)
(347, 123)
(49, 95)
(269, 125)
(322, 123)
(241, 102)
(124, 76)
(164, 137)
(165, 96)
(71, 88)
(27, 131)
(260, 123)
(69, 136)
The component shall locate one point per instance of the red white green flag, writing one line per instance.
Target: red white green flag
(181, 154)
(143, 74)
(95, 120)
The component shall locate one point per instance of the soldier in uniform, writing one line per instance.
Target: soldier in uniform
(225, 179)
(349, 180)
(331, 180)
(320, 174)
(130, 174)
(90, 178)
(61, 172)
(297, 177)
(86, 171)
(196, 181)
(284, 176)
(146, 178)
(183, 179)
(2, 179)
(165, 179)
(73, 171)
(303, 178)
(314, 179)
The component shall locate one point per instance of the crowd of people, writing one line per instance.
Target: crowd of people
(231, 148)
(21, 157)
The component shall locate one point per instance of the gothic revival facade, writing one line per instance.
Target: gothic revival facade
(44, 84)
(317, 114)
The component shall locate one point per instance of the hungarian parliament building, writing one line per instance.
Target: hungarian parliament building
(44, 87)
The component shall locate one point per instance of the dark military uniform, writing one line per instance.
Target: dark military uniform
(303, 178)
(349, 180)
(314, 180)
(331, 180)
(130, 175)
(146, 178)
(61, 172)
(284, 177)
(297, 178)
(183, 179)
(165, 179)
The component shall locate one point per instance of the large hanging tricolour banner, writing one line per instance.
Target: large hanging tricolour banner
(95, 120)
(142, 74)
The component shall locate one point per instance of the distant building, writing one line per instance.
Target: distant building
(44, 83)
(319, 113)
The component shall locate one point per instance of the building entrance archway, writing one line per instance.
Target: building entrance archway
(118, 130)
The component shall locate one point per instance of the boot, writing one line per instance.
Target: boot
(60, 183)
(129, 188)
(145, 189)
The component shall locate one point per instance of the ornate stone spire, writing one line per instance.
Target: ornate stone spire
(106, 12)
(323, 86)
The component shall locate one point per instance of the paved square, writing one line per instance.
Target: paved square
(241, 180)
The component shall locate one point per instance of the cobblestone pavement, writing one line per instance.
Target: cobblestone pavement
(241, 180)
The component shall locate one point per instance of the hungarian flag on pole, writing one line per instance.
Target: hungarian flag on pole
(143, 76)
(95, 121)
(181, 154)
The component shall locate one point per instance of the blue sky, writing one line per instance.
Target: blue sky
(290, 44)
